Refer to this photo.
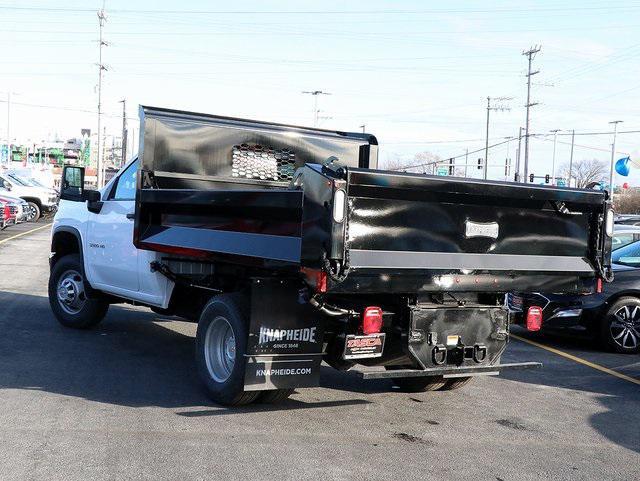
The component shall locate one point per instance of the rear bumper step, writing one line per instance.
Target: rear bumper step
(448, 372)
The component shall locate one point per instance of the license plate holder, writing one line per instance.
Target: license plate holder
(363, 346)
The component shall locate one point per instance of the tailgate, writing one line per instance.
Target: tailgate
(443, 233)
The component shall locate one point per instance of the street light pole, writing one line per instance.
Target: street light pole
(613, 154)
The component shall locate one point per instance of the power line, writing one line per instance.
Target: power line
(606, 7)
(425, 164)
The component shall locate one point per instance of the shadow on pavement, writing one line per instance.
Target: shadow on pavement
(619, 398)
(126, 360)
(264, 408)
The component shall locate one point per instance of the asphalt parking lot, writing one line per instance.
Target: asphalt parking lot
(123, 401)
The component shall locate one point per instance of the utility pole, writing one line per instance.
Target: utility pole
(613, 153)
(8, 128)
(124, 132)
(573, 139)
(102, 18)
(486, 145)
(466, 162)
(517, 176)
(315, 94)
(530, 54)
(553, 159)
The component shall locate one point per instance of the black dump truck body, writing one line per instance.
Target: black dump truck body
(317, 239)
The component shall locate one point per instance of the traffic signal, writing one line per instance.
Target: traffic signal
(451, 167)
(531, 177)
(479, 164)
(546, 179)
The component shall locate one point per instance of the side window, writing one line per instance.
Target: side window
(125, 188)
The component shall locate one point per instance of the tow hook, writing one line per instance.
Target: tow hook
(439, 354)
(479, 353)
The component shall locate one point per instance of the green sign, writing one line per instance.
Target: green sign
(443, 171)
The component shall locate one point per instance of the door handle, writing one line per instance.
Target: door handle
(131, 216)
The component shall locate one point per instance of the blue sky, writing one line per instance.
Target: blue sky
(416, 73)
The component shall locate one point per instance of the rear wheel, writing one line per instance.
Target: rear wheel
(221, 343)
(416, 384)
(455, 383)
(68, 295)
(275, 396)
(620, 328)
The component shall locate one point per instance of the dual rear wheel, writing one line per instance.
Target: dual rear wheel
(221, 342)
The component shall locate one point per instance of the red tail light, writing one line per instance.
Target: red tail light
(599, 285)
(534, 318)
(372, 320)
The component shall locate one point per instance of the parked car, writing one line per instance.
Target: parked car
(611, 317)
(40, 199)
(627, 219)
(624, 235)
(9, 213)
(4, 214)
(18, 208)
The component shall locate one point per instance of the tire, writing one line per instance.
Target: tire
(455, 383)
(416, 384)
(221, 343)
(275, 396)
(75, 308)
(34, 212)
(620, 327)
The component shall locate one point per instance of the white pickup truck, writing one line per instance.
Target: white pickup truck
(289, 248)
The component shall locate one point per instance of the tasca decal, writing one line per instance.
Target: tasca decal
(275, 335)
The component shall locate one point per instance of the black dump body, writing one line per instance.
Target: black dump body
(259, 194)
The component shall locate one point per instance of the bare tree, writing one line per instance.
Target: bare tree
(586, 171)
(422, 163)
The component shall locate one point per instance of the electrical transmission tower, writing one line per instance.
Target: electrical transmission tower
(531, 53)
(102, 19)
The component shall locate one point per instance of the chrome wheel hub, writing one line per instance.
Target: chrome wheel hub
(625, 327)
(70, 291)
(220, 349)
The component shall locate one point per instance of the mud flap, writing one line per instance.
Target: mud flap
(284, 349)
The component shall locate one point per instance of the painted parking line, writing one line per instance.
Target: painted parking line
(24, 233)
(579, 360)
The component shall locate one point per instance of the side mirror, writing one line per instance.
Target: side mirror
(91, 195)
(72, 185)
(8, 186)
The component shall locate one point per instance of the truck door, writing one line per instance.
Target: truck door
(112, 257)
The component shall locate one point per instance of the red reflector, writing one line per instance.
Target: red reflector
(534, 318)
(372, 320)
(321, 281)
(599, 285)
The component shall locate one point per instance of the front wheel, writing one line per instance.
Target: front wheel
(33, 212)
(68, 296)
(620, 327)
(221, 343)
